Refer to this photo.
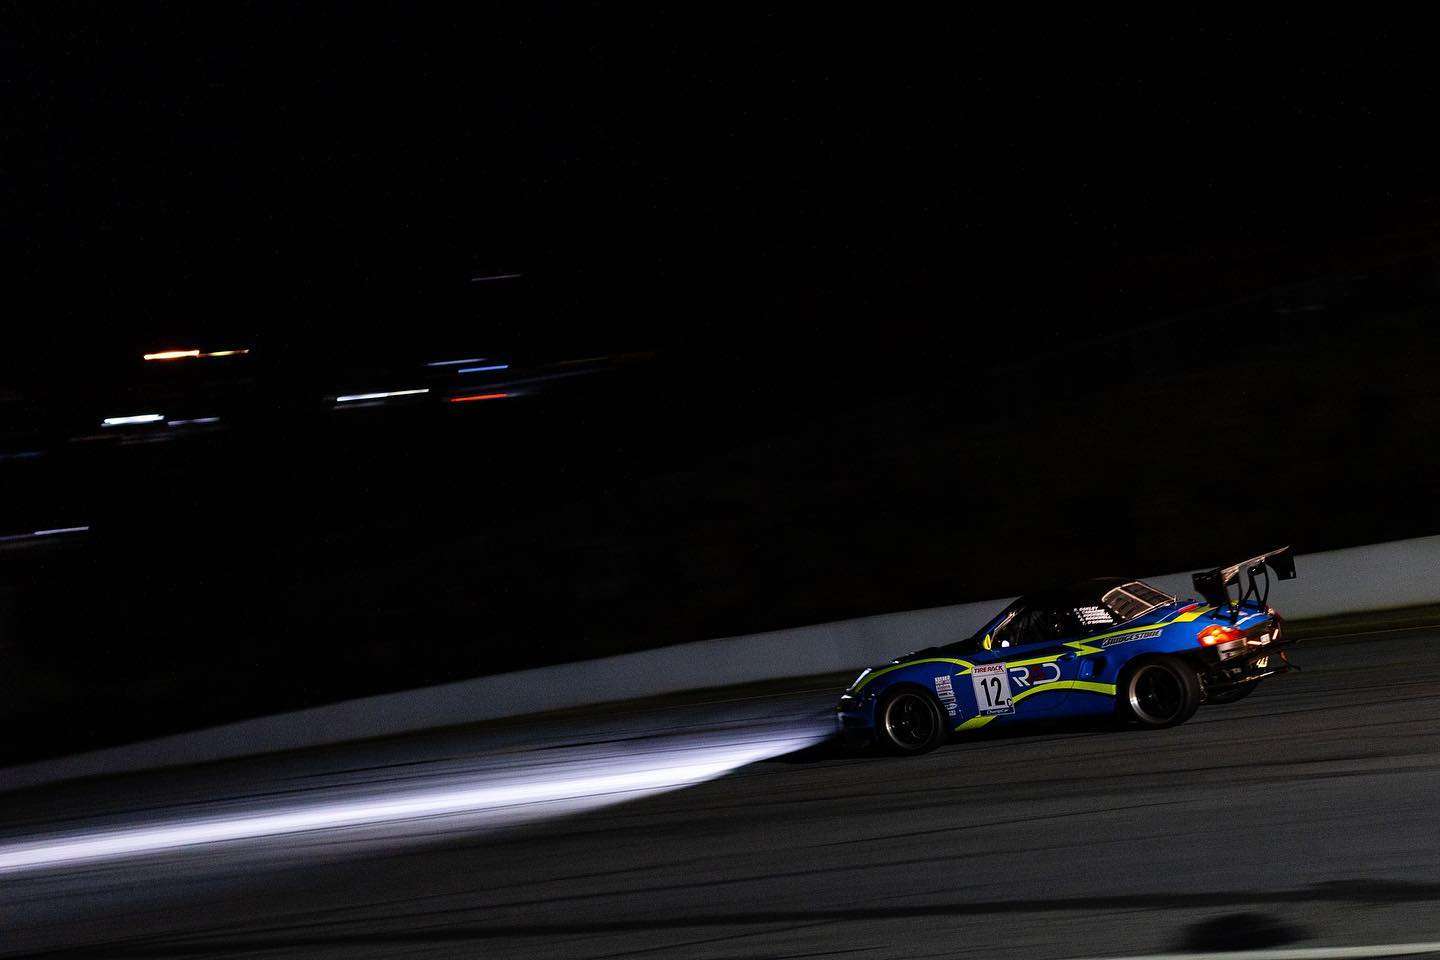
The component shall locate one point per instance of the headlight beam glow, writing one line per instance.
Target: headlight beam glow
(499, 799)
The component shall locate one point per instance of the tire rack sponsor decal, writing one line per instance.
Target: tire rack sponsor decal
(946, 692)
(1126, 638)
(992, 689)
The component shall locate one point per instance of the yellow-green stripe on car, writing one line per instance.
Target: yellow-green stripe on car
(1108, 689)
(911, 663)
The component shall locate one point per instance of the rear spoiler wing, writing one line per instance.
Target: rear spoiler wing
(1252, 578)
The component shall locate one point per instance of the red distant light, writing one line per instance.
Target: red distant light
(479, 396)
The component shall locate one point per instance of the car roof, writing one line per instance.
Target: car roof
(1075, 594)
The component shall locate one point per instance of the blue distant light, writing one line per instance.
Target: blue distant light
(498, 366)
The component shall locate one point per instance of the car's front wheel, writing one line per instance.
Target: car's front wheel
(910, 721)
(1159, 692)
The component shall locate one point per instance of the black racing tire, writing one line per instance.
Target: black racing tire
(909, 721)
(1158, 692)
(1233, 694)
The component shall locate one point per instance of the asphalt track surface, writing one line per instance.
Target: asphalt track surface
(1307, 815)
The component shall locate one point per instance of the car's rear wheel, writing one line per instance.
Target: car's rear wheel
(1159, 692)
(910, 722)
(1233, 694)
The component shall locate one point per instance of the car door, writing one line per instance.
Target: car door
(1038, 667)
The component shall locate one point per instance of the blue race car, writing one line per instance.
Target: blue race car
(1101, 647)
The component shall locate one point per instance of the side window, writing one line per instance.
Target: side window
(1040, 625)
(1009, 633)
(1053, 624)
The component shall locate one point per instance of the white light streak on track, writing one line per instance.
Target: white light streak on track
(350, 398)
(58, 531)
(524, 795)
(127, 421)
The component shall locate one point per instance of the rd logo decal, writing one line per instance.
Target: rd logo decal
(1034, 675)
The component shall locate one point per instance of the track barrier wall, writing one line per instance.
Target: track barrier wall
(1403, 573)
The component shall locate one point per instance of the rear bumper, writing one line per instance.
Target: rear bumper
(1263, 652)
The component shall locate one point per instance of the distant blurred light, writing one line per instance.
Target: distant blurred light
(455, 363)
(498, 366)
(125, 421)
(188, 354)
(58, 531)
(479, 396)
(496, 276)
(350, 398)
(198, 421)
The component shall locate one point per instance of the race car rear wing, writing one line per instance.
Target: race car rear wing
(1251, 577)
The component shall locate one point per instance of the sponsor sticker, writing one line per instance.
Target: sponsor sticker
(945, 690)
(992, 689)
(1127, 637)
(1035, 674)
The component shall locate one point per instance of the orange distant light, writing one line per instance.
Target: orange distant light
(479, 396)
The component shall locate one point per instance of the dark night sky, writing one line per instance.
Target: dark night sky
(858, 251)
(331, 175)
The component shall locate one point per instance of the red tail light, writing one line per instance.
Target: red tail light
(1216, 634)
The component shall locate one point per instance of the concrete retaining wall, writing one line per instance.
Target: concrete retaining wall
(1381, 576)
